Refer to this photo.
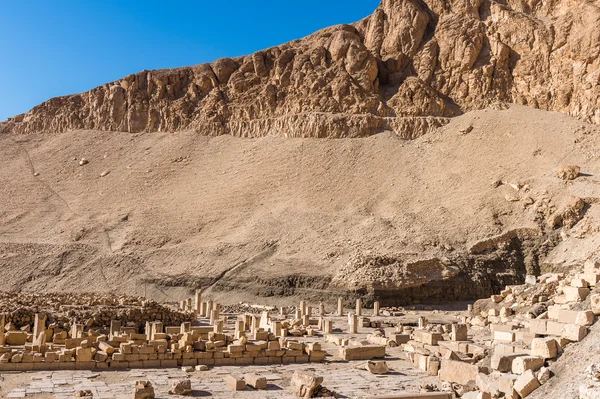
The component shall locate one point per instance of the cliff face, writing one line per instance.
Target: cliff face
(408, 67)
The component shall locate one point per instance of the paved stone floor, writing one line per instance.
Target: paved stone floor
(345, 378)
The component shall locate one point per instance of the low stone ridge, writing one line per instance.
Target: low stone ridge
(406, 68)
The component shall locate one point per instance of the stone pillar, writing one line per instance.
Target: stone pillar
(282, 311)
(298, 315)
(77, 330)
(148, 331)
(320, 324)
(239, 329)
(2, 321)
(217, 307)
(255, 325)
(422, 322)
(359, 307)
(376, 308)
(185, 327)
(277, 328)
(306, 320)
(182, 305)
(203, 309)
(198, 301)
(302, 308)
(115, 328)
(156, 328)
(340, 309)
(352, 323)
(321, 309)
(39, 325)
(218, 328)
(470, 308)
(209, 307)
(40, 340)
(327, 326)
(308, 311)
(214, 316)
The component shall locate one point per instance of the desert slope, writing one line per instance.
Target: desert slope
(406, 68)
(382, 217)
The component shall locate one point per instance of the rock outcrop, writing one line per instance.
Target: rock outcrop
(406, 68)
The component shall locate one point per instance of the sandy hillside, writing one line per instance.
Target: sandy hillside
(402, 220)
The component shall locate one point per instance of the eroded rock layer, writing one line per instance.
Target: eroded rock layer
(406, 68)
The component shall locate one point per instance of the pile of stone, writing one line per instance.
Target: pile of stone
(525, 328)
(255, 340)
(99, 310)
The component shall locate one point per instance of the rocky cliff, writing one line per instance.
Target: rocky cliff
(406, 68)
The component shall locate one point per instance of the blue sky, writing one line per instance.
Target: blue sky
(58, 47)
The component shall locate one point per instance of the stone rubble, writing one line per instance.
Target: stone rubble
(505, 347)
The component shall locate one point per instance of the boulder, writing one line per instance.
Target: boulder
(377, 367)
(181, 387)
(143, 390)
(305, 384)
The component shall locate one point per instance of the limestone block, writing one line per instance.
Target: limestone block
(595, 303)
(399, 338)
(16, 338)
(526, 384)
(503, 362)
(365, 352)
(576, 294)
(524, 363)
(585, 318)
(506, 384)
(459, 332)
(84, 354)
(235, 383)
(458, 372)
(574, 332)
(305, 384)
(255, 381)
(538, 326)
(546, 348)
(181, 387)
(487, 384)
(143, 390)
(427, 337)
(544, 375)
(503, 336)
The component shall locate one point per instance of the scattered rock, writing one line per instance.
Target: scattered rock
(569, 172)
(466, 130)
(305, 384)
(181, 387)
(255, 381)
(83, 161)
(143, 390)
(235, 383)
(377, 367)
